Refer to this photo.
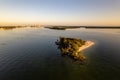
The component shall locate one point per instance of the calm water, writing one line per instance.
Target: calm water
(31, 54)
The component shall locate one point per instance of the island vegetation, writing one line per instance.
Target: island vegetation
(73, 47)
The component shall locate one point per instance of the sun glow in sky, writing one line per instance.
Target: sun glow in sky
(60, 12)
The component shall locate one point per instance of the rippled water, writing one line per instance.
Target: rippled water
(31, 54)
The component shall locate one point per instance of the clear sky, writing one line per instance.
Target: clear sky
(60, 12)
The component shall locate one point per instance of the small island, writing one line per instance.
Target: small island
(73, 47)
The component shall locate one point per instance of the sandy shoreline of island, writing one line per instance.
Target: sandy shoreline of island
(87, 45)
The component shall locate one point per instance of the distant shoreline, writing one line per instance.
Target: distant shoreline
(14, 27)
(63, 27)
(75, 27)
(102, 27)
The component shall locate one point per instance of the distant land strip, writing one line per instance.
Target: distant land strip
(14, 27)
(65, 27)
(99, 27)
(87, 27)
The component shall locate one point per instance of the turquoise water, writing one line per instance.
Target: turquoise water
(31, 54)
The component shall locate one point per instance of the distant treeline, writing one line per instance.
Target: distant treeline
(62, 27)
(87, 27)
(10, 27)
(101, 27)
(14, 27)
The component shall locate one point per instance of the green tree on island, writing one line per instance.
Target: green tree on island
(70, 47)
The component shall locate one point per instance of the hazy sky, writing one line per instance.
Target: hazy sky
(60, 12)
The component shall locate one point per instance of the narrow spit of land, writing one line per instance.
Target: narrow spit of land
(87, 45)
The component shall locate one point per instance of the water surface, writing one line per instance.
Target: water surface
(31, 54)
